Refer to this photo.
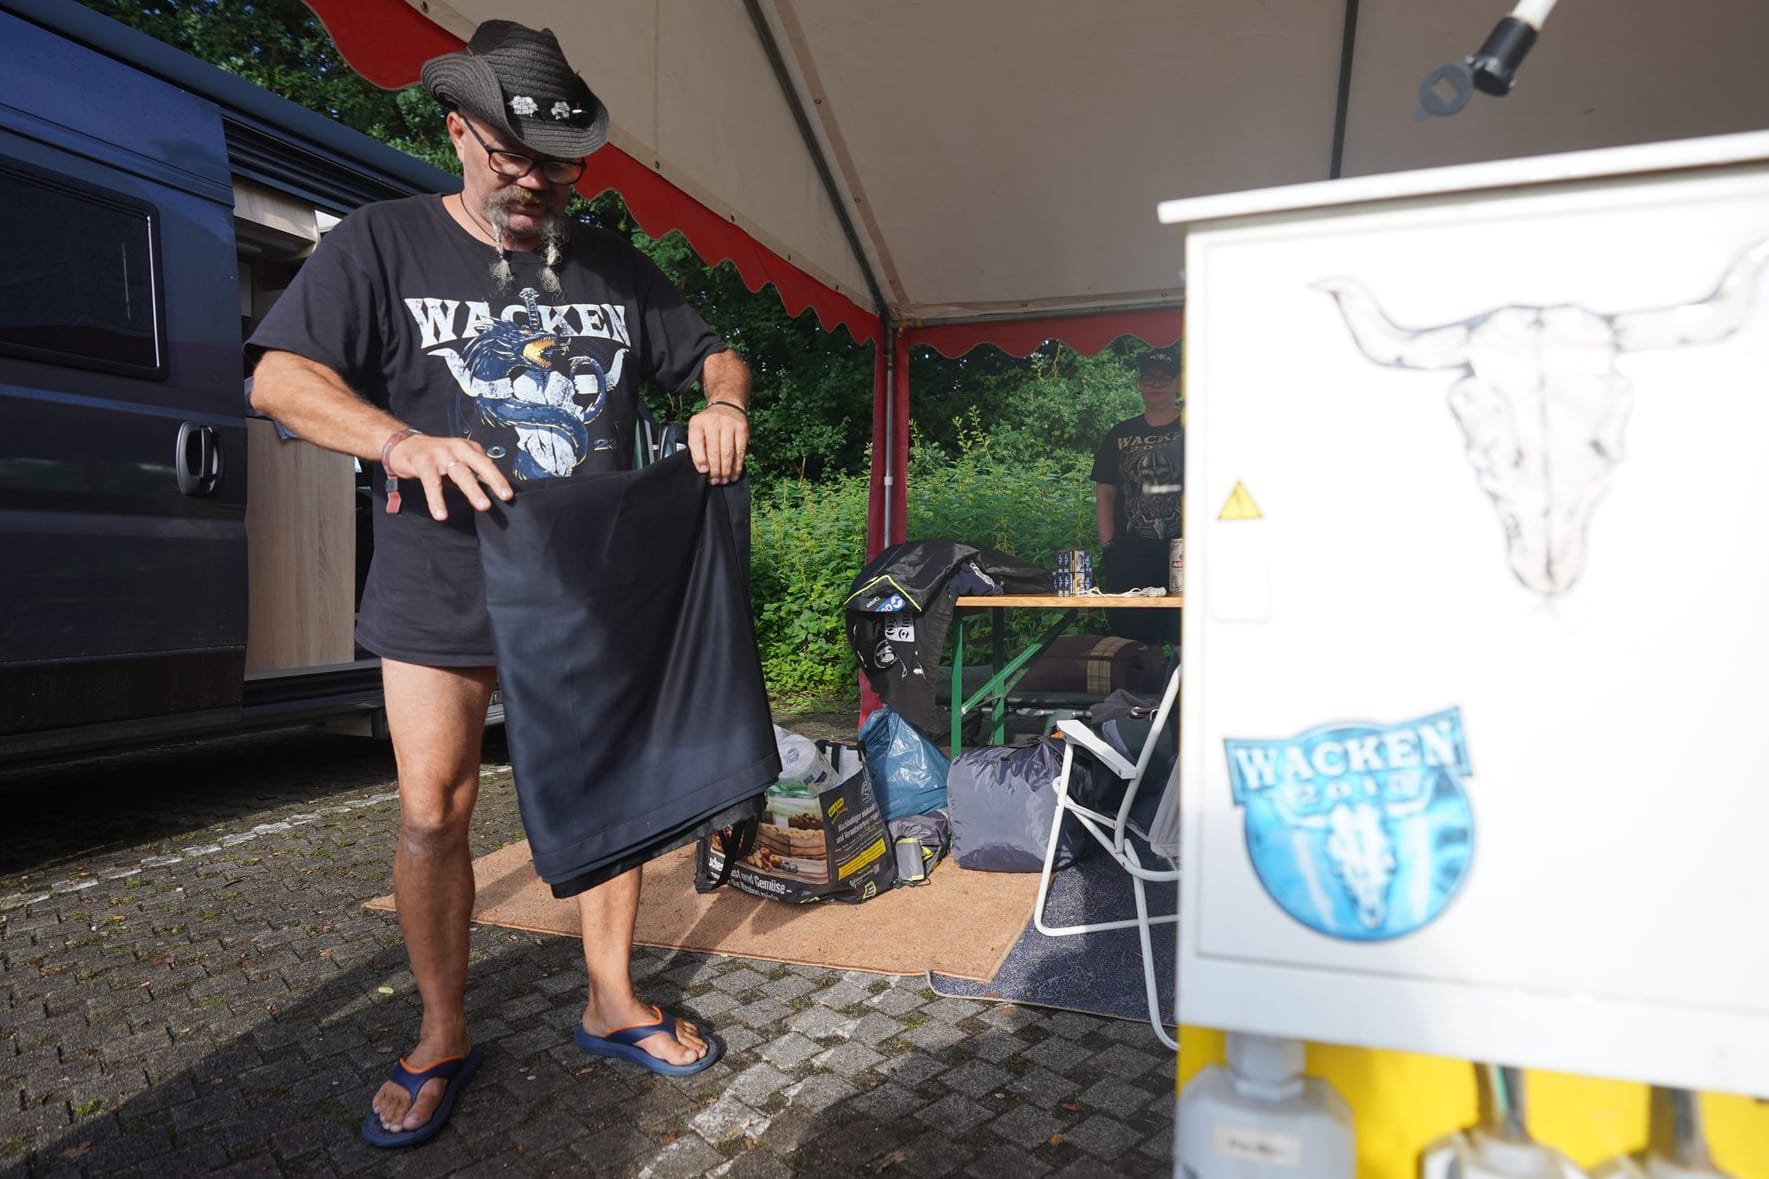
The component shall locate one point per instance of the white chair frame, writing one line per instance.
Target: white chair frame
(1112, 833)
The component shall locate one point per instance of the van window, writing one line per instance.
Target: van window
(79, 276)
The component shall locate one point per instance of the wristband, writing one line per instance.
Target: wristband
(733, 405)
(393, 439)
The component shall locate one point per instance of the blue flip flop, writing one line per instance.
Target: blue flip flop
(623, 1044)
(456, 1070)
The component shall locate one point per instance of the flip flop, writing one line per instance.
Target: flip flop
(456, 1070)
(623, 1044)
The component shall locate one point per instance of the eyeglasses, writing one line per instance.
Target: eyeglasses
(515, 165)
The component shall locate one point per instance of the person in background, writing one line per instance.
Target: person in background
(1138, 473)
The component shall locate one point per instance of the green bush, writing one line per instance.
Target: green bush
(1031, 508)
(810, 540)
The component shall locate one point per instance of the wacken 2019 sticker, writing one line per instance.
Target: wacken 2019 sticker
(1360, 831)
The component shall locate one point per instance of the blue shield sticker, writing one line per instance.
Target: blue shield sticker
(1359, 831)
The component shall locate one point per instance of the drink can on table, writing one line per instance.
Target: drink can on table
(1176, 566)
(1074, 572)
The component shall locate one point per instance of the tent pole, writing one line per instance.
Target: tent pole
(898, 488)
(1342, 106)
(877, 511)
(838, 202)
(878, 499)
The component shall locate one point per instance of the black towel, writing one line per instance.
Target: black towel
(634, 705)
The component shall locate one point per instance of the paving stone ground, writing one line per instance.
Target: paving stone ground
(189, 985)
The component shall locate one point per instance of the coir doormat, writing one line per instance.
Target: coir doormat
(960, 923)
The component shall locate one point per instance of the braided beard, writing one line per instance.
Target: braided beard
(553, 233)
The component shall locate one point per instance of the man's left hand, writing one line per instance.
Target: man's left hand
(718, 438)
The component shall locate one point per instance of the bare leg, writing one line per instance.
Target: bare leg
(436, 716)
(608, 913)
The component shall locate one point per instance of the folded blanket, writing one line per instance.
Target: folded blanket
(634, 705)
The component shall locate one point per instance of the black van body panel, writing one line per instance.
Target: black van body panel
(125, 585)
(269, 139)
(123, 580)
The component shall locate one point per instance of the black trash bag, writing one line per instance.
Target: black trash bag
(1002, 801)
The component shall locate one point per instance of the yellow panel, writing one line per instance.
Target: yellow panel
(1403, 1102)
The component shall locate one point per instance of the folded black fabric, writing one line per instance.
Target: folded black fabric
(634, 705)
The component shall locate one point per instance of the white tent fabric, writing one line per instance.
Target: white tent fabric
(1005, 157)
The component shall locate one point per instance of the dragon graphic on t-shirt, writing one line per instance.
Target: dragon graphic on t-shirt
(546, 386)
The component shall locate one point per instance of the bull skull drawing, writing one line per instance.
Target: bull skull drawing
(1362, 854)
(1542, 405)
(1359, 845)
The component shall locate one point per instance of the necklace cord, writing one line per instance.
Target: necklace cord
(497, 239)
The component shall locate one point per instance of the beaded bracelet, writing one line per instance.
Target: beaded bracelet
(393, 439)
(732, 404)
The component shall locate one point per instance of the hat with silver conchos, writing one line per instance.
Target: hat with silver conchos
(517, 79)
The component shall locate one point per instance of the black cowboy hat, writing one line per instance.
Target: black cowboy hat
(517, 80)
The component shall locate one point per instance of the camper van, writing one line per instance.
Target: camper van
(169, 566)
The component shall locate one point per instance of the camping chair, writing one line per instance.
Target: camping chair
(1113, 833)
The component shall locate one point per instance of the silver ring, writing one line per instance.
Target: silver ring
(451, 466)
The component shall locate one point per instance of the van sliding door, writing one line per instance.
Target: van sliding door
(122, 437)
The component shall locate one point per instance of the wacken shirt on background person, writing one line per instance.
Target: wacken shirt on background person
(1139, 472)
(1147, 465)
(1139, 467)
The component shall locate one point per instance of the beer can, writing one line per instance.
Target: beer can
(1176, 566)
(1074, 572)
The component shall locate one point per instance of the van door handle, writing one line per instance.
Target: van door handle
(198, 460)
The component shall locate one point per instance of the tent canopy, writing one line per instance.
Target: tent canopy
(954, 172)
(926, 162)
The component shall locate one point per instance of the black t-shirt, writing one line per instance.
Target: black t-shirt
(400, 301)
(1147, 465)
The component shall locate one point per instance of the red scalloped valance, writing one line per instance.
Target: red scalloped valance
(1086, 333)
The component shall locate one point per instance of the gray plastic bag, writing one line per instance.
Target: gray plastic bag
(1002, 801)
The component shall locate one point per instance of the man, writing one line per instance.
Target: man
(1138, 471)
(469, 342)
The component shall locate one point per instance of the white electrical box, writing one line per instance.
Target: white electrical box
(1475, 729)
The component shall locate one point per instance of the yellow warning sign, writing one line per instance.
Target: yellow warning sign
(1240, 505)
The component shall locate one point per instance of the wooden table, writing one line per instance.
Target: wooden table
(1007, 674)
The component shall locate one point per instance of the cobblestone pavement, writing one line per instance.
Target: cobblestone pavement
(191, 985)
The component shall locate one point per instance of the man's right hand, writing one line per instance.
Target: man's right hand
(313, 401)
(434, 460)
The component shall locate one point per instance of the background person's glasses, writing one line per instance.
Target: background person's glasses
(516, 165)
